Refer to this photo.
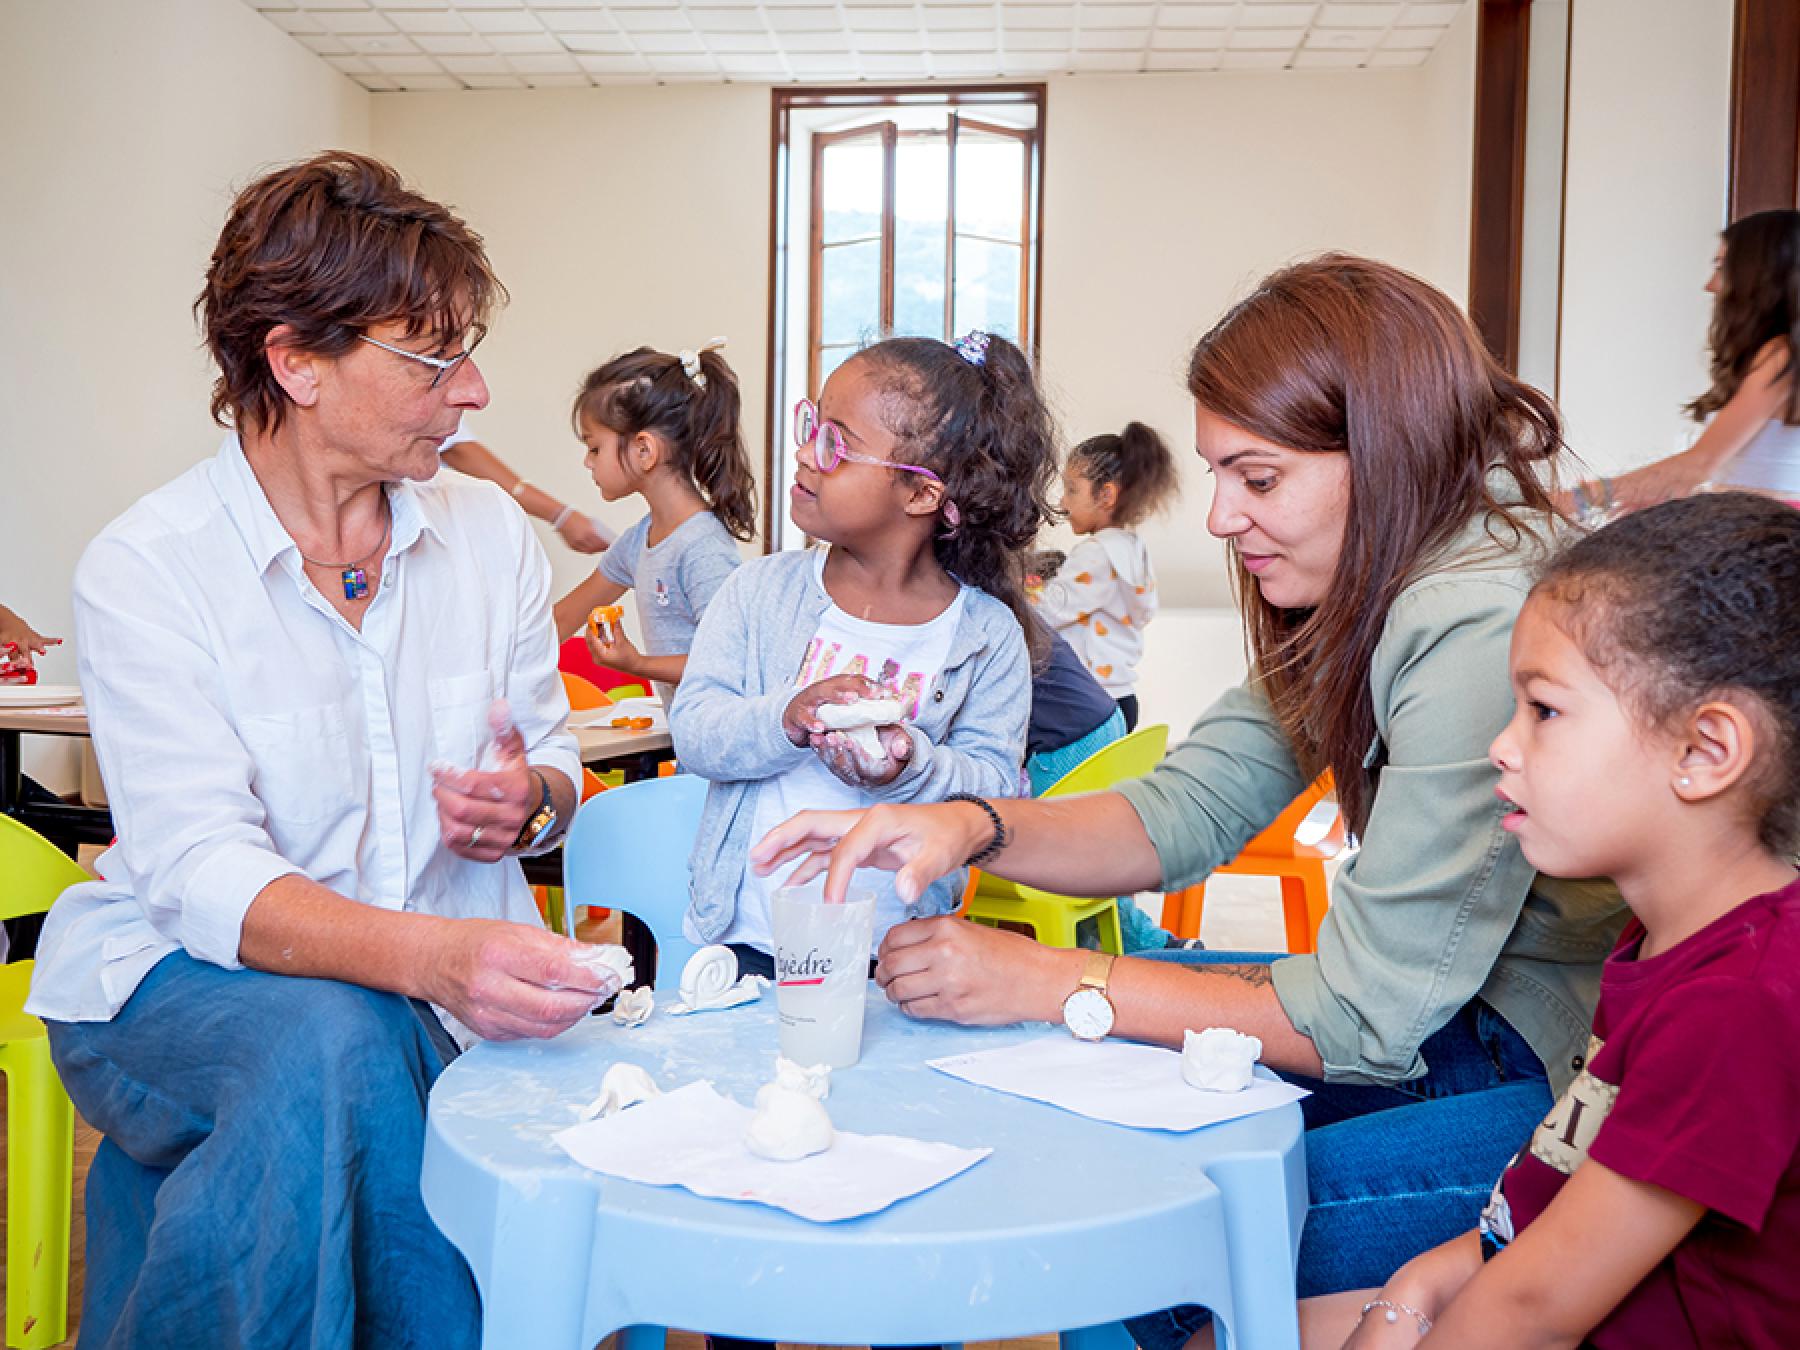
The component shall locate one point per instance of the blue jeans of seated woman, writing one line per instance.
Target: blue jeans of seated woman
(1393, 1171)
(258, 1185)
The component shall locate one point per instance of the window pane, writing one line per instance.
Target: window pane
(850, 292)
(990, 185)
(987, 287)
(851, 196)
(921, 199)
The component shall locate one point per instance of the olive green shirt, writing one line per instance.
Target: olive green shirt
(1439, 905)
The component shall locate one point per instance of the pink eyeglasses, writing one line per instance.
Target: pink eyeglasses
(829, 451)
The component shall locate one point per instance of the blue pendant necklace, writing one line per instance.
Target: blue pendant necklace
(354, 575)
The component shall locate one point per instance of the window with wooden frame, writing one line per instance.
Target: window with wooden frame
(903, 213)
(922, 232)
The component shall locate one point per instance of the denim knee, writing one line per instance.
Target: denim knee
(1169, 1329)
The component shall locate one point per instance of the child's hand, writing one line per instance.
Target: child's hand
(846, 760)
(801, 718)
(620, 653)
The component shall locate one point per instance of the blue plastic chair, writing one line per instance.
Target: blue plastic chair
(628, 849)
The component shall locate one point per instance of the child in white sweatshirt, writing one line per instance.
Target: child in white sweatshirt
(1104, 595)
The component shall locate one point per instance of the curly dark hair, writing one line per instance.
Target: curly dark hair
(983, 428)
(1139, 464)
(1693, 600)
(647, 390)
(331, 247)
(1758, 303)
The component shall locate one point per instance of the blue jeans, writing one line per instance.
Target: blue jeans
(1393, 1171)
(258, 1185)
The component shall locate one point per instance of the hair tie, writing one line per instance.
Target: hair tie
(972, 347)
(690, 360)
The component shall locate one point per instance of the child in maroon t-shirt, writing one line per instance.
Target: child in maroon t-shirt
(1656, 741)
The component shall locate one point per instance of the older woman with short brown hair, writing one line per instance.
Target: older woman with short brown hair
(324, 694)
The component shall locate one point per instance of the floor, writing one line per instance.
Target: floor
(1242, 914)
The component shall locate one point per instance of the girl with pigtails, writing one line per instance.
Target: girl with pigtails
(665, 428)
(1104, 595)
(924, 471)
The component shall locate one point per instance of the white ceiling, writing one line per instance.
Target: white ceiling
(547, 44)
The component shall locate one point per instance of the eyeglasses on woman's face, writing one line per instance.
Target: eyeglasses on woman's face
(444, 366)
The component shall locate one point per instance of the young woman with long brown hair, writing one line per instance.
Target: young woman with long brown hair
(1751, 411)
(1380, 483)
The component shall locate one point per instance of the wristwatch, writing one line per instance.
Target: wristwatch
(1088, 1011)
(539, 824)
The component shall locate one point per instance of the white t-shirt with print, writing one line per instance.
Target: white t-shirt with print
(907, 658)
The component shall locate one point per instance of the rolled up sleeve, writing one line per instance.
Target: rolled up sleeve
(192, 831)
(1226, 782)
(1420, 914)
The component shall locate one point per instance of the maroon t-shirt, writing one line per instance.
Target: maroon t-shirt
(1691, 1083)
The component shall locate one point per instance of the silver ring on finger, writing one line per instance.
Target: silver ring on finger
(475, 836)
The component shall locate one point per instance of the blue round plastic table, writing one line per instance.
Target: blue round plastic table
(1067, 1227)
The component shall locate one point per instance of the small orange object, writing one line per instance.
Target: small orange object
(1083, 578)
(1103, 671)
(602, 623)
(641, 723)
(621, 723)
(1099, 629)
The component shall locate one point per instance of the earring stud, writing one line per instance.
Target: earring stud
(1685, 781)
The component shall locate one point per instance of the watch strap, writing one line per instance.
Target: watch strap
(1096, 972)
(541, 819)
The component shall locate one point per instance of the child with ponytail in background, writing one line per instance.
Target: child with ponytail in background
(1104, 594)
(664, 428)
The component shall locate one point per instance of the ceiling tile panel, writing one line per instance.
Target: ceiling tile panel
(546, 43)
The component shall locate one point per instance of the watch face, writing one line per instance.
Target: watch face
(1088, 1014)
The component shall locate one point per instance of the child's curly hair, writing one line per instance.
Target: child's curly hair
(983, 428)
(1693, 600)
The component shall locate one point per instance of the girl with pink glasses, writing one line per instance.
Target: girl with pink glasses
(923, 472)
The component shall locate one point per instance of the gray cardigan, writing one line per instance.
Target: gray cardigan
(726, 718)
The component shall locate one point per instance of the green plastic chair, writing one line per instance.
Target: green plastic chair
(40, 1122)
(1053, 918)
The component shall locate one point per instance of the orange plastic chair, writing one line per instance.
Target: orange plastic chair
(1305, 894)
(584, 694)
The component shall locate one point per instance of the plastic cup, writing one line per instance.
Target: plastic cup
(821, 973)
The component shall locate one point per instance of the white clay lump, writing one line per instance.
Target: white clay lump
(814, 1080)
(1219, 1059)
(860, 718)
(624, 1085)
(633, 1007)
(789, 1124)
(605, 958)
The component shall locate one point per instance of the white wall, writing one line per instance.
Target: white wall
(1447, 137)
(1649, 115)
(128, 126)
(1168, 198)
(615, 217)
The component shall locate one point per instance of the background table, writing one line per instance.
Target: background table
(1070, 1223)
(68, 826)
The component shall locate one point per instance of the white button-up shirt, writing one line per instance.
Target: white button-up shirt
(246, 731)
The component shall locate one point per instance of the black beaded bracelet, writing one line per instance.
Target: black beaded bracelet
(1001, 838)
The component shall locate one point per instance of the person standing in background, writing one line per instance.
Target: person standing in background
(1751, 413)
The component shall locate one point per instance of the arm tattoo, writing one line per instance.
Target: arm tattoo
(1256, 975)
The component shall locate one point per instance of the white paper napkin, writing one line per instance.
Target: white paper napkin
(1116, 1081)
(693, 1137)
